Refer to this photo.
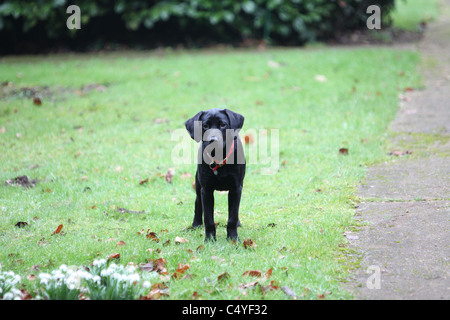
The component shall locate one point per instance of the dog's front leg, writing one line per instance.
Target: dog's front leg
(198, 216)
(234, 199)
(208, 211)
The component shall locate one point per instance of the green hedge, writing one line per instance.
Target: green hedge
(276, 21)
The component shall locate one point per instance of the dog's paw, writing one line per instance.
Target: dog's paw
(210, 238)
(196, 224)
(232, 236)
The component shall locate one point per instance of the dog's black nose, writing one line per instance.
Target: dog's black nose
(212, 139)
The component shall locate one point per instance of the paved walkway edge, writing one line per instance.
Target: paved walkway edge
(403, 249)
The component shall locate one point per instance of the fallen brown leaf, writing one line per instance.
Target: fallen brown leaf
(148, 267)
(152, 236)
(169, 175)
(180, 271)
(179, 240)
(31, 277)
(249, 243)
(25, 295)
(222, 277)
(113, 256)
(58, 230)
(273, 285)
(252, 273)
(37, 101)
(21, 224)
(155, 294)
(250, 285)
(343, 151)
(323, 295)
(160, 266)
(248, 138)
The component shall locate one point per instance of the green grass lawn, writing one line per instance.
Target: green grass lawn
(408, 14)
(91, 146)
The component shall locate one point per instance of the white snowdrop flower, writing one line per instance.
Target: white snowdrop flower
(8, 296)
(1, 290)
(117, 276)
(131, 269)
(63, 268)
(86, 275)
(44, 275)
(16, 291)
(58, 275)
(146, 284)
(72, 279)
(98, 263)
(122, 277)
(133, 277)
(17, 294)
(16, 279)
(96, 279)
(105, 273)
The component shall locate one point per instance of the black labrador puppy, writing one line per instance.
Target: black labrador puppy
(221, 166)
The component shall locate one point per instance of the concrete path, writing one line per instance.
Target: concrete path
(404, 247)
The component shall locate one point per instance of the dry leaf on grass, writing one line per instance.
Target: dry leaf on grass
(180, 271)
(169, 175)
(343, 151)
(179, 240)
(58, 230)
(222, 277)
(113, 256)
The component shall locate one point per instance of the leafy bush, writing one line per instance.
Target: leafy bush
(276, 21)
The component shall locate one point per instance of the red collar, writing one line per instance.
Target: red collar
(214, 165)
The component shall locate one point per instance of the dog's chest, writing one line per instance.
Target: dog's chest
(224, 180)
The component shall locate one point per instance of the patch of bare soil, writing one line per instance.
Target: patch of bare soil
(39, 93)
(382, 36)
(22, 181)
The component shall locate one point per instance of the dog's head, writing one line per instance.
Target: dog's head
(214, 125)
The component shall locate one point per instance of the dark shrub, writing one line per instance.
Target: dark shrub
(43, 22)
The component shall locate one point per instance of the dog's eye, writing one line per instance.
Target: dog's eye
(205, 126)
(223, 125)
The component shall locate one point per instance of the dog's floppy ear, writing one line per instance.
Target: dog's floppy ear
(236, 119)
(193, 126)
